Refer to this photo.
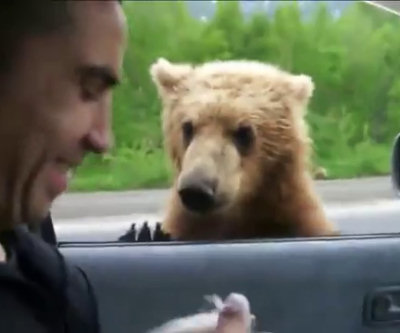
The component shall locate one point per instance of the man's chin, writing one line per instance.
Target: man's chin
(34, 222)
(36, 216)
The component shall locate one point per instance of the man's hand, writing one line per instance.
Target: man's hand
(3, 257)
(231, 316)
(235, 316)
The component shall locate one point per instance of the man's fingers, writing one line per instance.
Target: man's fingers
(235, 317)
(231, 316)
(230, 321)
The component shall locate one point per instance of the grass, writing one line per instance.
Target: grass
(361, 161)
(135, 168)
(126, 169)
(139, 161)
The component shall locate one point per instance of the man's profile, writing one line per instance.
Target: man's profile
(59, 61)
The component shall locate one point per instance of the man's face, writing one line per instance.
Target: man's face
(55, 107)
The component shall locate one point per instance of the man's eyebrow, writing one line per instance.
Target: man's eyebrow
(103, 72)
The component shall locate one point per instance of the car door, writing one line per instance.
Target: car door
(344, 284)
(348, 283)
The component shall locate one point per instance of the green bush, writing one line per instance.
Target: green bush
(354, 61)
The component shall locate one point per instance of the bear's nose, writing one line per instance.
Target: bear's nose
(197, 193)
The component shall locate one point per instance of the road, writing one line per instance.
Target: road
(361, 206)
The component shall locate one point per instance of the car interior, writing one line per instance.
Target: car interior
(334, 284)
(346, 284)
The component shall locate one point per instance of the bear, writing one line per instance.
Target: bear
(236, 136)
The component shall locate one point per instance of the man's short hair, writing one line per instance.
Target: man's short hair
(22, 18)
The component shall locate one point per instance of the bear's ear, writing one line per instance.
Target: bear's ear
(302, 88)
(168, 76)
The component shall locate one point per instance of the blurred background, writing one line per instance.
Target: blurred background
(351, 49)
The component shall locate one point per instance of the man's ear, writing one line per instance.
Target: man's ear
(168, 76)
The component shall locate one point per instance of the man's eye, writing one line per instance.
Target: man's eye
(91, 89)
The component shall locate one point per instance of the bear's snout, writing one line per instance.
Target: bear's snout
(197, 191)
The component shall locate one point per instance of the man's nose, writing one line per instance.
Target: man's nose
(98, 141)
(99, 137)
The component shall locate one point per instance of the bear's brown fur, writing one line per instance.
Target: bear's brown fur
(236, 135)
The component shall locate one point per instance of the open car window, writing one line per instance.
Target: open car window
(349, 48)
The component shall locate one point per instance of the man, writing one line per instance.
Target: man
(58, 63)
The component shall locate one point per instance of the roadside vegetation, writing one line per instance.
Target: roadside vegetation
(353, 59)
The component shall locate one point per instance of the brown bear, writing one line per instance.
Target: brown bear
(236, 136)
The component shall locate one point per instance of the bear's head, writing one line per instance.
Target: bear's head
(231, 128)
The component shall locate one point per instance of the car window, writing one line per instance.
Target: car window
(350, 49)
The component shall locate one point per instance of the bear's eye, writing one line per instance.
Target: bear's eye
(187, 130)
(243, 137)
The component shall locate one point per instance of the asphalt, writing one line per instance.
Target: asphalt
(101, 204)
(358, 206)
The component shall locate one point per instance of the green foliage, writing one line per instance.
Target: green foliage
(354, 62)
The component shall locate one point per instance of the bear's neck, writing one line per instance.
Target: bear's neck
(285, 204)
